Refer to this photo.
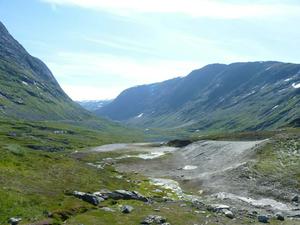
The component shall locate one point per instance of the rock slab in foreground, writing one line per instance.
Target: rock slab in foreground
(126, 195)
(154, 219)
(87, 197)
(101, 196)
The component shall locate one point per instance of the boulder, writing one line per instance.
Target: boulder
(87, 197)
(263, 219)
(126, 209)
(279, 216)
(228, 213)
(179, 143)
(14, 220)
(127, 195)
(295, 198)
(154, 219)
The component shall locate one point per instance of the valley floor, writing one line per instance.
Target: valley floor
(201, 183)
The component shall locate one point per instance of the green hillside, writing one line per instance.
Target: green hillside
(28, 90)
(217, 97)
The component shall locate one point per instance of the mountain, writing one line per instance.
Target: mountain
(93, 105)
(28, 90)
(238, 96)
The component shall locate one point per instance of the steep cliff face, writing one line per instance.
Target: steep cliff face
(28, 89)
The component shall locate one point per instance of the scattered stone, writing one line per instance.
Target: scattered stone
(14, 220)
(217, 207)
(279, 216)
(127, 195)
(228, 213)
(126, 209)
(153, 219)
(87, 197)
(200, 192)
(12, 134)
(263, 219)
(295, 198)
(158, 191)
(107, 209)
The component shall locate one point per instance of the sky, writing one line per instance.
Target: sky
(97, 48)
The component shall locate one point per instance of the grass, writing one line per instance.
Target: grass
(280, 159)
(36, 168)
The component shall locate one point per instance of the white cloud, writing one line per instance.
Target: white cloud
(83, 92)
(195, 8)
(119, 43)
(108, 75)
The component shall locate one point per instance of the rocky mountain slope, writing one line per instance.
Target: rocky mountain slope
(28, 90)
(239, 96)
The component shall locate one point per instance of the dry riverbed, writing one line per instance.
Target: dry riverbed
(210, 172)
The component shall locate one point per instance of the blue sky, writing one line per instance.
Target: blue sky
(97, 48)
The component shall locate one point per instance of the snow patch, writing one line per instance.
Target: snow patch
(269, 68)
(190, 167)
(140, 115)
(25, 83)
(296, 85)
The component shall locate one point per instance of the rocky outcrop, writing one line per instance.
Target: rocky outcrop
(154, 219)
(97, 197)
(126, 195)
(90, 198)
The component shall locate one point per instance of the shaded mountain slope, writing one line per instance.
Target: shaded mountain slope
(239, 96)
(28, 90)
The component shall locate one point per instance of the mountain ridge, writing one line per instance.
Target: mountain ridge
(199, 101)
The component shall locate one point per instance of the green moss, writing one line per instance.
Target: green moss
(280, 159)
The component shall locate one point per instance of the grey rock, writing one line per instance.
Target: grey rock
(279, 216)
(14, 220)
(126, 209)
(127, 195)
(87, 197)
(295, 198)
(228, 213)
(217, 207)
(263, 219)
(154, 219)
(107, 209)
